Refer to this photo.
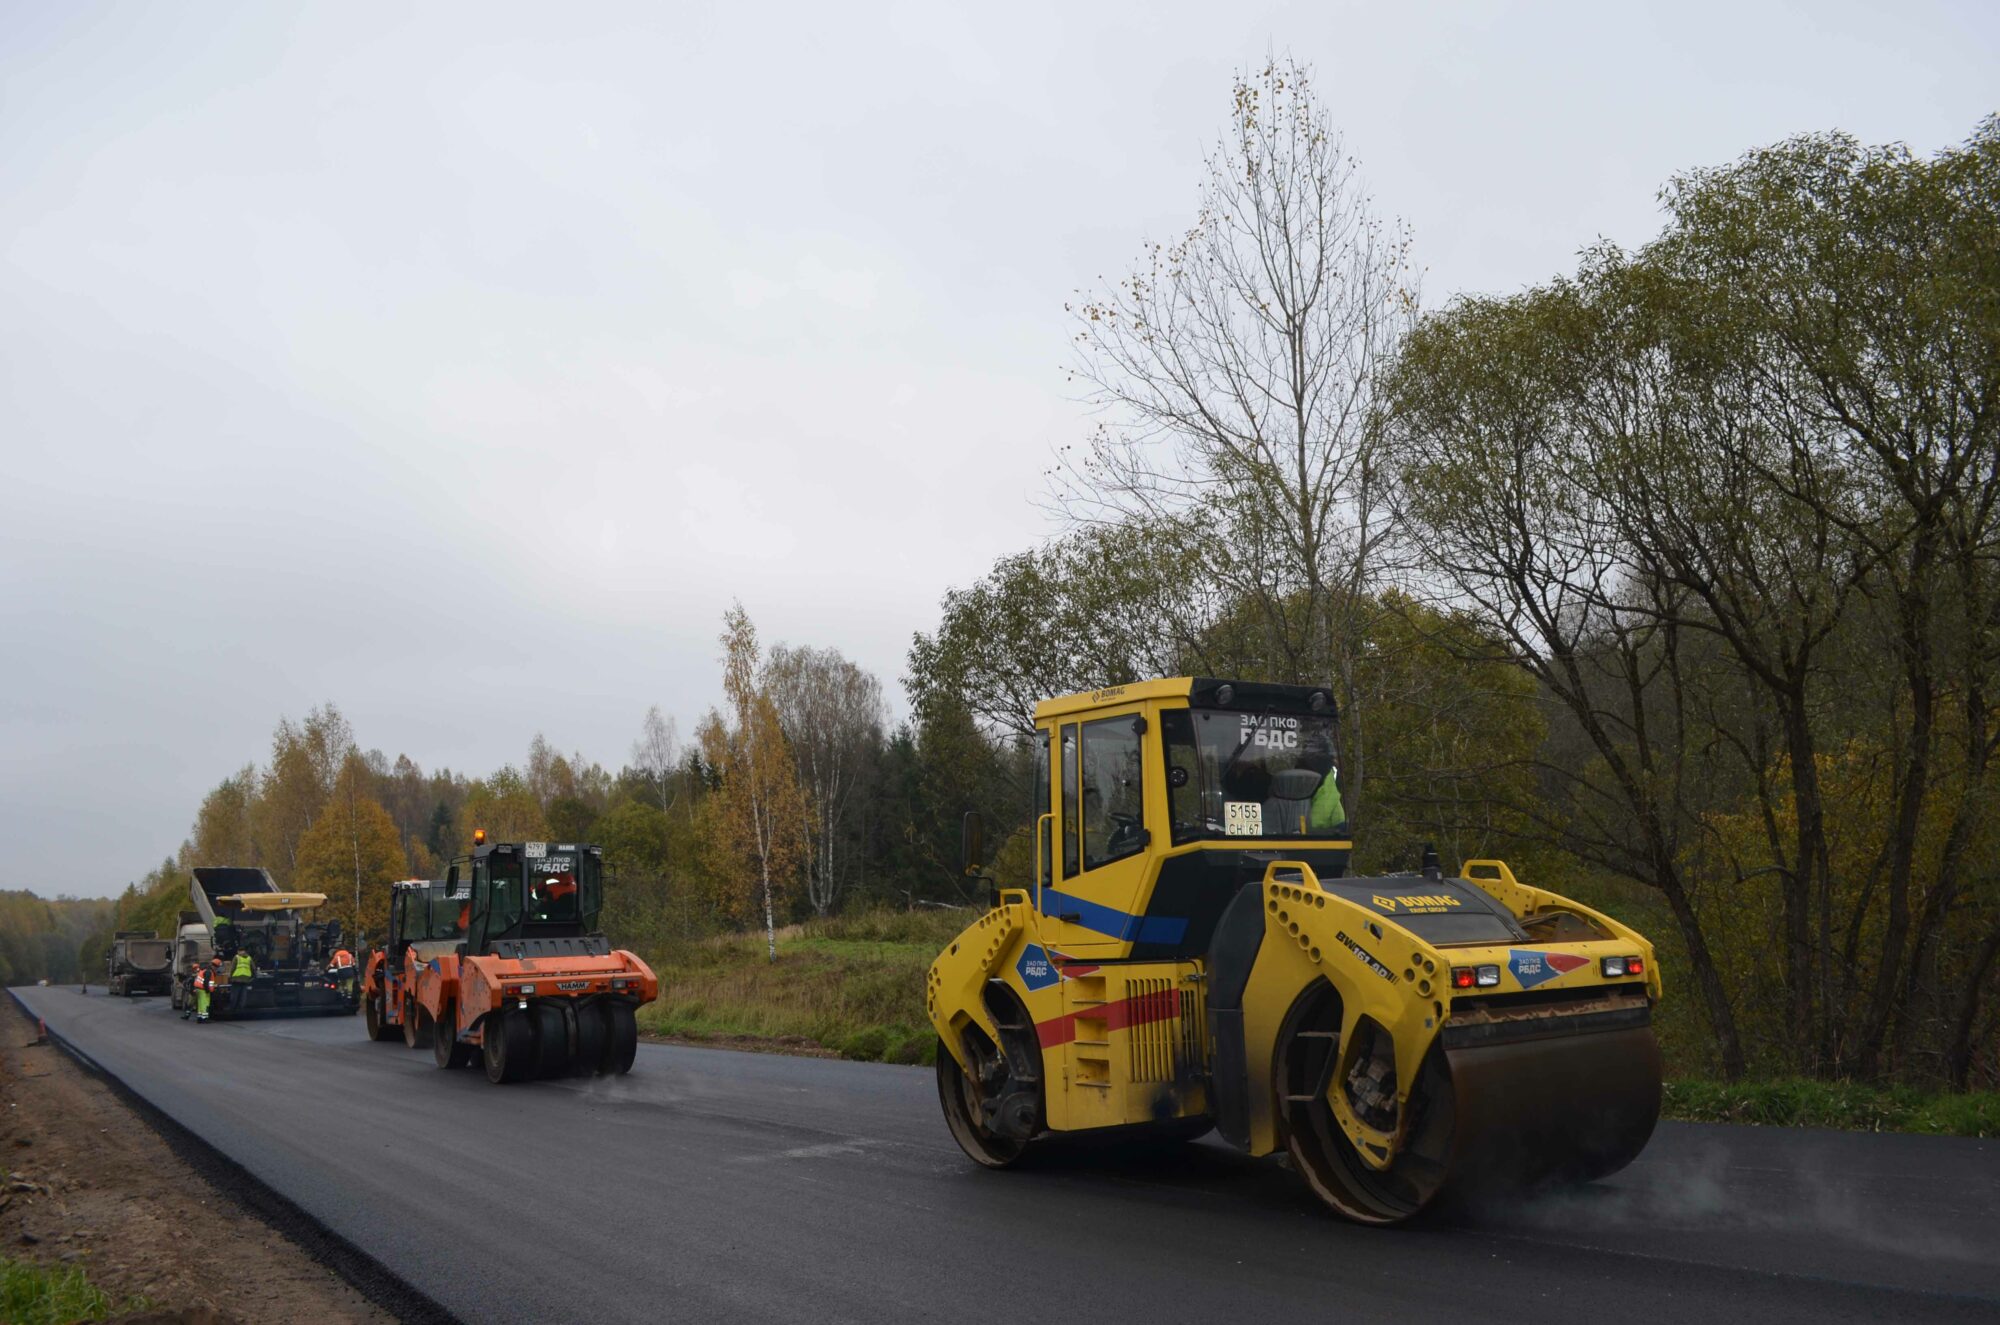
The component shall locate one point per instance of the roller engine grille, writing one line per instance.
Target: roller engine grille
(1167, 1025)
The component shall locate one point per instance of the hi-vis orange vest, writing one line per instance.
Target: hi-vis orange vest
(201, 977)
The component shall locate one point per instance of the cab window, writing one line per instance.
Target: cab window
(458, 889)
(446, 917)
(502, 874)
(1072, 822)
(1040, 807)
(552, 888)
(1184, 811)
(1114, 820)
(590, 889)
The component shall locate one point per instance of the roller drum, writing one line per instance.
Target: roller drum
(1568, 1108)
(1517, 1107)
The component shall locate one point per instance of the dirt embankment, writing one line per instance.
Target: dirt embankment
(88, 1183)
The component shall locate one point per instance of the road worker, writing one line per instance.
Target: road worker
(201, 985)
(340, 969)
(1327, 812)
(240, 976)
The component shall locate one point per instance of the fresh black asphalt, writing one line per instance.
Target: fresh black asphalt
(719, 1186)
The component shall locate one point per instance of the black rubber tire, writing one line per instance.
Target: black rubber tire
(551, 1040)
(621, 1040)
(439, 1040)
(593, 1033)
(961, 1115)
(509, 1048)
(416, 1025)
(446, 1050)
(379, 1027)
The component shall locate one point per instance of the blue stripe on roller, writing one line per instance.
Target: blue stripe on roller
(1110, 920)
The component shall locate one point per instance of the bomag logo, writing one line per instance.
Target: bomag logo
(1419, 903)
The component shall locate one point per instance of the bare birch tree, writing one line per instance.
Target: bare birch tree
(657, 753)
(1237, 371)
(832, 712)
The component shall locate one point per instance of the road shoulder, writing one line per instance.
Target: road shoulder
(90, 1185)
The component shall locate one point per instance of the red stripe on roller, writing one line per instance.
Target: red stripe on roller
(1138, 1010)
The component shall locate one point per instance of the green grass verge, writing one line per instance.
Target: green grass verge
(1847, 1105)
(33, 1295)
(850, 984)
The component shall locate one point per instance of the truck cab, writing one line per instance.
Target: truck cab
(191, 949)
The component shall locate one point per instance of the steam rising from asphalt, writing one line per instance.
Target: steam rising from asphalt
(1702, 1191)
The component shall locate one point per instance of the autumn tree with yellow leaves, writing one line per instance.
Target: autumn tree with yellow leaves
(757, 823)
(352, 853)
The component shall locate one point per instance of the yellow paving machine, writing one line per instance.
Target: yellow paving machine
(240, 909)
(1193, 954)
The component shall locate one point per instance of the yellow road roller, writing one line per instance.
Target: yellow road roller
(1193, 955)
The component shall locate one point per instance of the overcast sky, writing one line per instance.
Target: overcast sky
(460, 363)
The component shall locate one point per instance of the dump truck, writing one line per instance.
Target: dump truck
(191, 949)
(243, 910)
(139, 962)
(424, 923)
(532, 989)
(1193, 954)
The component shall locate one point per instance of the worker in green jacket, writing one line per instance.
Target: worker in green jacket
(1327, 813)
(240, 976)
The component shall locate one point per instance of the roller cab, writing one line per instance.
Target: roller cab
(1192, 954)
